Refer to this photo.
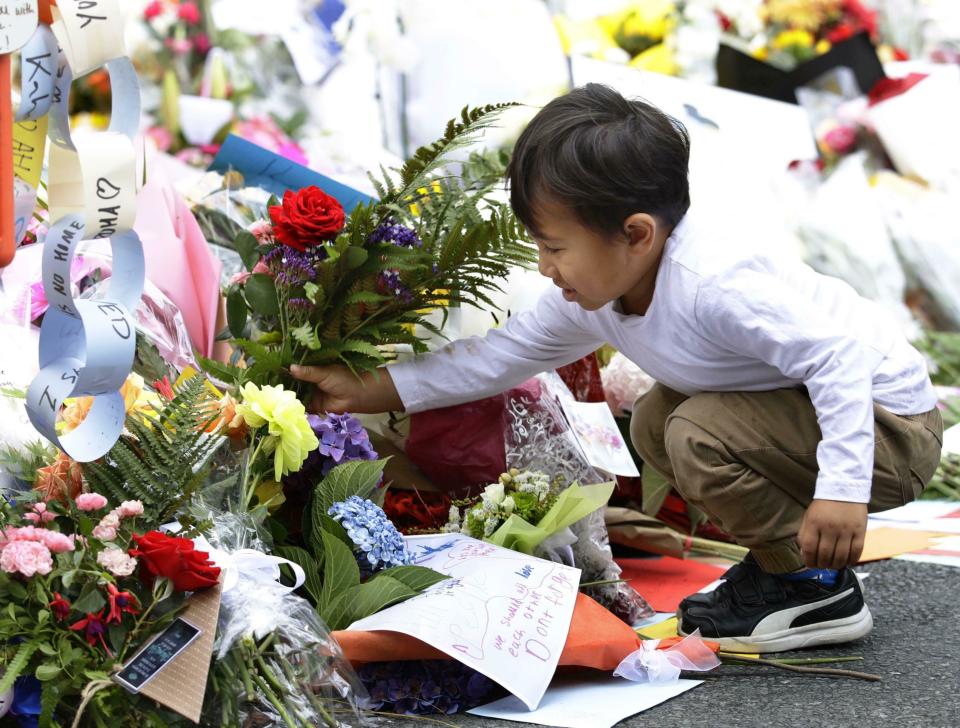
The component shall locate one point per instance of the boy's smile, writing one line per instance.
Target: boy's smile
(592, 269)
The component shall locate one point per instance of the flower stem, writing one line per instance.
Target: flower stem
(275, 701)
(250, 484)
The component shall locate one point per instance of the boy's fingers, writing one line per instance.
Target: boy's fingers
(841, 553)
(315, 375)
(825, 551)
(856, 549)
(808, 541)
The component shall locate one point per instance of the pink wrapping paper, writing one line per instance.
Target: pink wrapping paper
(179, 262)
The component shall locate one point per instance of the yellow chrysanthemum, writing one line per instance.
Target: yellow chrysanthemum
(289, 435)
(793, 38)
(659, 59)
(802, 14)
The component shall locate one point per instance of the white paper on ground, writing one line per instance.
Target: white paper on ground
(577, 701)
(599, 437)
(944, 551)
(918, 511)
(503, 613)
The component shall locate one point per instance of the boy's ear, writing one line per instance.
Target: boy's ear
(640, 229)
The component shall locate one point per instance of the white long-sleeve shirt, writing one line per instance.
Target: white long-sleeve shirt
(725, 316)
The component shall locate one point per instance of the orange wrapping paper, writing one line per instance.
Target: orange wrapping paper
(596, 639)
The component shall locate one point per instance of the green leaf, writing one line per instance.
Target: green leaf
(361, 347)
(13, 669)
(335, 529)
(247, 246)
(313, 292)
(47, 671)
(236, 312)
(354, 257)
(90, 600)
(655, 489)
(359, 477)
(17, 590)
(306, 335)
(417, 578)
(261, 294)
(337, 614)
(376, 595)
(340, 570)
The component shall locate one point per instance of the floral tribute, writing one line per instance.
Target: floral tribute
(322, 286)
(786, 33)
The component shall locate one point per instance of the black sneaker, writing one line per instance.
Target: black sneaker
(758, 612)
(735, 572)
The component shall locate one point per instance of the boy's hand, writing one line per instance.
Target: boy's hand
(340, 390)
(831, 536)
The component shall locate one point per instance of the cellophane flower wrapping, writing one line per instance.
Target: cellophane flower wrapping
(276, 663)
(538, 438)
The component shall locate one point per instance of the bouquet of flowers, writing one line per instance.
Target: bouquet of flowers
(324, 287)
(530, 512)
(83, 585)
(785, 33)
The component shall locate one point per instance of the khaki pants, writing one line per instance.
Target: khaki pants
(748, 460)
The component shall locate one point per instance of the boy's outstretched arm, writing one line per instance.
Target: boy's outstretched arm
(553, 334)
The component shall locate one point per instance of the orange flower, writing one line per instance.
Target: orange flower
(61, 480)
(229, 423)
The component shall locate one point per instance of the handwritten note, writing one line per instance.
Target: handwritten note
(599, 437)
(503, 613)
(18, 20)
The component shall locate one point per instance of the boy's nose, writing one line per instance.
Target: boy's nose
(545, 268)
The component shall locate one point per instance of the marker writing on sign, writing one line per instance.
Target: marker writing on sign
(87, 17)
(109, 215)
(111, 308)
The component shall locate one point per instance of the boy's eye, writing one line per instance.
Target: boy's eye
(548, 249)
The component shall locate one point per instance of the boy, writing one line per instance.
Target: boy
(786, 405)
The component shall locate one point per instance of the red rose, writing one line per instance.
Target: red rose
(175, 558)
(306, 218)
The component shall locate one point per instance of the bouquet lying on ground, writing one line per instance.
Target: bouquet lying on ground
(324, 287)
(528, 511)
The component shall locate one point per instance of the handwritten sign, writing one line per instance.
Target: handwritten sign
(599, 437)
(18, 20)
(157, 654)
(503, 613)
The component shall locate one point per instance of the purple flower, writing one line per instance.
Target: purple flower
(389, 231)
(291, 267)
(424, 687)
(389, 283)
(342, 439)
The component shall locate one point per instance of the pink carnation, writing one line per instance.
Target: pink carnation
(262, 267)
(189, 12)
(104, 533)
(116, 561)
(26, 557)
(91, 502)
(39, 513)
(240, 278)
(106, 530)
(262, 230)
(57, 542)
(130, 509)
(153, 9)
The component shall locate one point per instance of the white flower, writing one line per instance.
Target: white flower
(508, 505)
(454, 516)
(116, 561)
(493, 493)
(490, 525)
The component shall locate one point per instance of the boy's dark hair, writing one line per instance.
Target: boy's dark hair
(604, 156)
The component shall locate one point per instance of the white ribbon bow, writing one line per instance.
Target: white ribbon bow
(251, 565)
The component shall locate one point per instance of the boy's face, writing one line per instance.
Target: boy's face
(591, 268)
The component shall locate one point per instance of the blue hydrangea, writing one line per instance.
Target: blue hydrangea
(379, 544)
(423, 687)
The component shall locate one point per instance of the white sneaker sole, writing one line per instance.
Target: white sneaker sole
(834, 632)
